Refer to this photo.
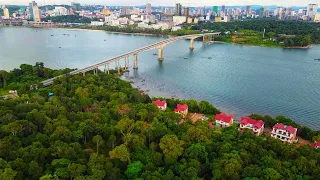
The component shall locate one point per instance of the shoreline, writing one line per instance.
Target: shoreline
(155, 35)
(114, 32)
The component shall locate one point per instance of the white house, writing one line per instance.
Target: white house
(162, 105)
(224, 120)
(284, 133)
(256, 126)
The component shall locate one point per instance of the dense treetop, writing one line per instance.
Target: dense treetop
(276, 26)
(99, 127)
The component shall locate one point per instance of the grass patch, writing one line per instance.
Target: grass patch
(3, 92)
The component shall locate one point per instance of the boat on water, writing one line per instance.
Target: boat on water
(209, 57)
(52, 35)
(186, 58)
(154, 54)
(317, 59)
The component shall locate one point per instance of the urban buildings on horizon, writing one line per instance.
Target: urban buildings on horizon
(161, 17)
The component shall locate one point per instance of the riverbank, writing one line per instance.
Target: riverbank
(113, 32)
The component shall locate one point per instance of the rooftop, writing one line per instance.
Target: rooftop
(256, 123)
(224, 117)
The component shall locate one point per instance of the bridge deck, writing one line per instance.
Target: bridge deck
(137, 51)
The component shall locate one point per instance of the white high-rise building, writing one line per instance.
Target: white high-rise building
(312, 10)
(148, 8)
(6, 14)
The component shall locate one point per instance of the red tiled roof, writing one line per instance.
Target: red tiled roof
(290, 129)
(256, 123)
(181, 107)
(159, 103)
(224, 117)
(278, 126)
(211, 126)
(315, 145)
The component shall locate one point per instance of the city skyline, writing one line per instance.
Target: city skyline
(167, 2)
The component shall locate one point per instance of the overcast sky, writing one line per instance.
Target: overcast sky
(169, 2)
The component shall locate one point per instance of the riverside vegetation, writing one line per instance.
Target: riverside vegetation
(249, 32)
(99, 127)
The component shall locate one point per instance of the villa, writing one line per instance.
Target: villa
(256, 126)
(316, 145)
(182, 109)
(162, 105)
(224, 120)
(284, 133)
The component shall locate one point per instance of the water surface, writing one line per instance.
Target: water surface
(237, 79)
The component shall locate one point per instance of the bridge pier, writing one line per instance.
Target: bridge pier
(135, 61)
(107, 68)
(160, 54)
(118, 64)
(191, 44)
(126, 63)
(95, 71)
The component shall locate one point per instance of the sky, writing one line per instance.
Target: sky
(169, 2)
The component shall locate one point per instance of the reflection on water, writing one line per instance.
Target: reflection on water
(235, 78)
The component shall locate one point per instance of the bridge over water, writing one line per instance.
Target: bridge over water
(207, 37)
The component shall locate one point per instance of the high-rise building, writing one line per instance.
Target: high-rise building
(215, 9)
(279, 11)
(266, 12)
(6, 13)
(148, 8)
(106, 11)
(76, 6)
(125, 11)
(36, 14)
(71, 11)
(261, 12)
(312, 10)
(31, 4)
(178, 9)
(186, 11)
(248, 10)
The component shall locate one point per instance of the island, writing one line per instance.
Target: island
(99, 127)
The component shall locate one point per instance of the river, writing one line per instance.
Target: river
(237, 79)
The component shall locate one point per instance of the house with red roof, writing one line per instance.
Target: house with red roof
(316, 145)
(224, 120)
(182, 109)
(256, 126)
(162, 105)
(284, 133)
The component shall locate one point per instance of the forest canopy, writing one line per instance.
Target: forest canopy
(99, 127)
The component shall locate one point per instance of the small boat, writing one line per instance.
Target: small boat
(317, 59)
(209, 57)
(154, 54)
(186, 58)
(59, 47)
(64, 34)
(105, 40)
(52, 35)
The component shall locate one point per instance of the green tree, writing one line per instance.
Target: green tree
(99, 141)
(172, 147)
(134, 170)
(120, 152)
(271, 174)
